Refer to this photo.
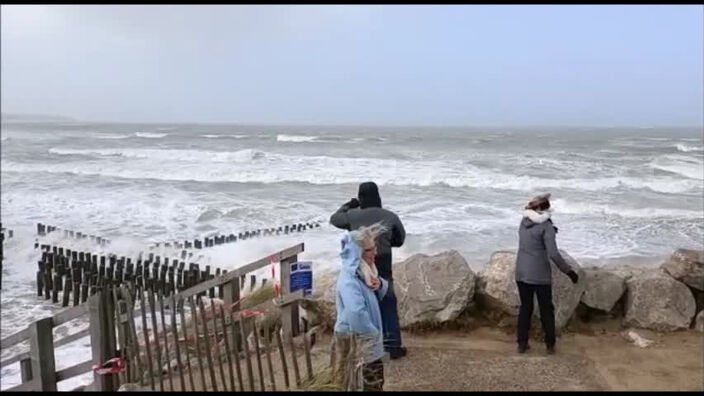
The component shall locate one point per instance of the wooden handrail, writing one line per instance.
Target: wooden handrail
(74, 370)
(63, 341)
(16, 338)
(69, 314)
(58, 319)
(25, 387)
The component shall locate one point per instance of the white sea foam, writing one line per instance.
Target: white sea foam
(111, 136)
(296, 138)
(166, 155)
(225, 136)
(687, 148)
(150, 135)
(686, 166)
(592, 209)
(262, 167)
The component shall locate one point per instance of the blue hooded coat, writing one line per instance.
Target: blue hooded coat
(357, 305)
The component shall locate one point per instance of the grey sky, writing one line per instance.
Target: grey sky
(465, 65)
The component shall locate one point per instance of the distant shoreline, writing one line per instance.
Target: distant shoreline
(29, 118)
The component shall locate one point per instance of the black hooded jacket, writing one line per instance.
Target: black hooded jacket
(368, 213)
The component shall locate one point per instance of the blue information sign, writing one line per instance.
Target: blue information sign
(302, 277)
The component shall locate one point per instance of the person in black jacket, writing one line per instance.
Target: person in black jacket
(536, 247)
(366, 210)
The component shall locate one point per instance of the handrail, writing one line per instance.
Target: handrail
(58, 319)
(24, 387)
(66, 340)
(76, 369)
(13, 339)
(69, 314)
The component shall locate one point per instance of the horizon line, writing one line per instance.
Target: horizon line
(307, 124)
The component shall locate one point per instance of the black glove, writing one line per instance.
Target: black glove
(353, 203)
(573, 276)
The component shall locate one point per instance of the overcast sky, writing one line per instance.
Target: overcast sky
(458, 65)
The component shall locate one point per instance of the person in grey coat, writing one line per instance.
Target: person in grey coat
(536, 247)
(366, 210)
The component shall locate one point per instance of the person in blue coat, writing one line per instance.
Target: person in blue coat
(366, 210)
(359, 289)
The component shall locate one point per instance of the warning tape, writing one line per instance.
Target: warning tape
(112, 366)
(248, 313)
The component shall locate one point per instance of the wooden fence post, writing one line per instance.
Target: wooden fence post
(99, 340)
(288, 310)
(26, 370)
(231, 295)
(41, 344)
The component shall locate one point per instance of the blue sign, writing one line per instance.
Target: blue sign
(302, 277)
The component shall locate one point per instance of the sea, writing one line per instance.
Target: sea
(619, 195)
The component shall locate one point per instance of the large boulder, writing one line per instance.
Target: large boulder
(566, 295)
(497, 283)
(656, 301)
(433, 288)
(687, 266)
(498, 290)
(602, 289)
(699, 322)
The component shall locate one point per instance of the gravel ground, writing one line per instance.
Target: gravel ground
(485, 359)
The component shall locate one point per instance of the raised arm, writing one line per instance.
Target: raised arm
(340, 219)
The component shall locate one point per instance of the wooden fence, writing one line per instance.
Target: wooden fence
(114, 334)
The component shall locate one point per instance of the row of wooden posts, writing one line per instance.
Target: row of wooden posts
(65, 271)
(43, 230)
(114, 337)
(222, 239)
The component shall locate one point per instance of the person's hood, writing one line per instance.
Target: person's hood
(350, 254)
(368, 195)
(531, 217)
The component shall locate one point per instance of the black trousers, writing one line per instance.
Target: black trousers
(373, 374)
(547, 311)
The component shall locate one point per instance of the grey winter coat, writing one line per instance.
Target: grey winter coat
(536, 246)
